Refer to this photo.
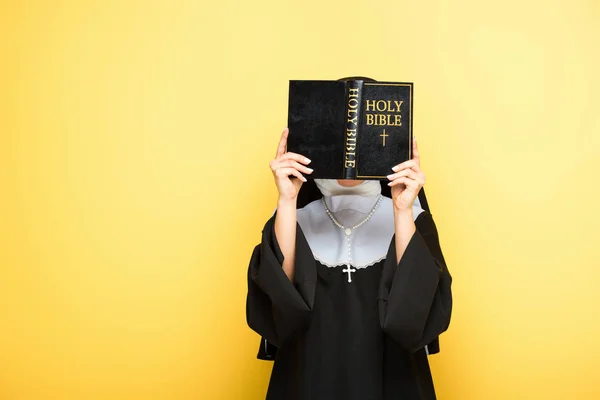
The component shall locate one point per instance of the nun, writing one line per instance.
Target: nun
(348, 288)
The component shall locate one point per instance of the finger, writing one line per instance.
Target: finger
(410, 173)
(290, 164)
(409, 183)
(415, 150)
(294, 156)
(285, 172)
(282, 143)
(400, 181)
(407, 164)
(301, 167)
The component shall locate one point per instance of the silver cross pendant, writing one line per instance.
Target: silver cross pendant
(349, 270)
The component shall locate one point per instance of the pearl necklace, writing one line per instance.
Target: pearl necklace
(348, 231)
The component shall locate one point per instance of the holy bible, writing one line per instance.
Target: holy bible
(350, 129)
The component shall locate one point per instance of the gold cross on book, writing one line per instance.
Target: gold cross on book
(383, 135)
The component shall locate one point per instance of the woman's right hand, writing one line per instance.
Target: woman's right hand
(284, 166)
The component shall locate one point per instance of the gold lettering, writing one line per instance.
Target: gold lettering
(352, 126)
(384, 105)
(351, 112)
(397, 120)
(384, 119)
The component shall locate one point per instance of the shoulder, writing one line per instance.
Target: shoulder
(425, 224)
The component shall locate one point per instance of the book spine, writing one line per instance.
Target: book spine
(353, 111)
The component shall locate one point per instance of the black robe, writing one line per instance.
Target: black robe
(363, 340)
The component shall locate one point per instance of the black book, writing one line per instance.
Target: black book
(350, 129)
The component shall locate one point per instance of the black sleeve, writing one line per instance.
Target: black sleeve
(415, 297)
(275, 307)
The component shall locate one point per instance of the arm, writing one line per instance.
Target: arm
(282, 274)
(276, 308)
(415, 297)
(285, 232)
(415, 300)
(406, 182)
(404, 228)
(285, 167)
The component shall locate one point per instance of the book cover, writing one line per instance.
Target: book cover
(350, 129)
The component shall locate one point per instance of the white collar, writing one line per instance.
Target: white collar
(369, 242)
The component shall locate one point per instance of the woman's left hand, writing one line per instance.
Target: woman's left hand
(406, 181)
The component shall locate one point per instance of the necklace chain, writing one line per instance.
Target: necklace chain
(335, 221)
(348, 231)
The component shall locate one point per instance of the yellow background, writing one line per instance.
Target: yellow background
(135, 139)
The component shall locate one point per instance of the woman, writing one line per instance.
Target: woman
(349, 290)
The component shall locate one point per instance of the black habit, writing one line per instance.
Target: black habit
(368, 340)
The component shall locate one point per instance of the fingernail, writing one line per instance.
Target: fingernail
(306, 160)
(310, 170)
(390, 176)
(390, 184)
(395, 168)
(303, 179)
